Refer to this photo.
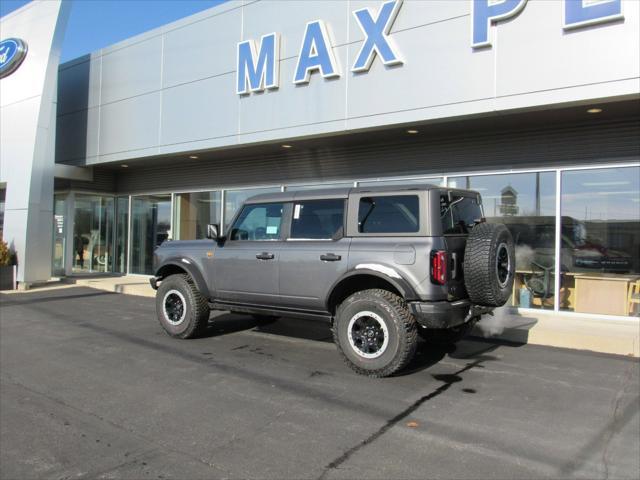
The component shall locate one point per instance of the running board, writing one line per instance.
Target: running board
(266, 310)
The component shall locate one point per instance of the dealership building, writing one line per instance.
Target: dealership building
(534, 104)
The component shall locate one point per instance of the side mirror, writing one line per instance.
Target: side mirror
(213, 231)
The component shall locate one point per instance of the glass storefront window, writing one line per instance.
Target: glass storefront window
(150, 226)
(193, 212)
(408, 181)
(59, 233)
(92, 233)
(3, 193)
(600, 241)
(525, 203)
(291, 188)
(122, 235)
(233, 200)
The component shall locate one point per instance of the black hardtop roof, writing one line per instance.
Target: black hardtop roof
(321, 193)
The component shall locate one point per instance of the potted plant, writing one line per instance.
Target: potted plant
(7, 276)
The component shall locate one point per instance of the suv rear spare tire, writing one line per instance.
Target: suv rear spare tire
(489, 264)
(182, 311)
(375, 333)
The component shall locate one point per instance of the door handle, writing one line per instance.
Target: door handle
(265, 256)
(330, 257)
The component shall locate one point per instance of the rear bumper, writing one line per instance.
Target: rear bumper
(446, 314)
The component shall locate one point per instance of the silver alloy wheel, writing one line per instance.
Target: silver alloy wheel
(174, 307)
(503, 265)
(368, 334)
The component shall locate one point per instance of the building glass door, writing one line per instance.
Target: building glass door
(150, 226)
(93, 234)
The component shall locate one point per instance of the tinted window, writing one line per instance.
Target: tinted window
(460, 214)
(233, 200)
(317, 219)
(389, 214)
(258, 222)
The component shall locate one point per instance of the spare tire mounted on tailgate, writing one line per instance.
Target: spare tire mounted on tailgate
(489, 264)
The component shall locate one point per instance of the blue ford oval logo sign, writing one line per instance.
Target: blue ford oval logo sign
(12, 53)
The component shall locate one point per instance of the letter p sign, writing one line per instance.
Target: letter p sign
(486, 12)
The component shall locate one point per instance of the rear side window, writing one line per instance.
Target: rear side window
(317, 219)
(389, 214)
(459, 215)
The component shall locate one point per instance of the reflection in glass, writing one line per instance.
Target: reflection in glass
(600, 241)
(525, 203)
(3, 194)
(292, 188)
(233, 200)
(409, 181)
(193, 212)
(92, 233)
(258, 222)
(150, 226)
(122, 232)
(59, 233)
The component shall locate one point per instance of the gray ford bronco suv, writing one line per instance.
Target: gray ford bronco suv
(383, 265)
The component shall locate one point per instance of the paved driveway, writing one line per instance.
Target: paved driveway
(91, 387)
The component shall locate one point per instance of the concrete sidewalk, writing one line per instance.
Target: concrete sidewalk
(127, 284)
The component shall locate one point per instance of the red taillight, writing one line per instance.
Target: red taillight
(439, 267)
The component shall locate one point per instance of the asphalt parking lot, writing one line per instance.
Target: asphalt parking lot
(91, 387)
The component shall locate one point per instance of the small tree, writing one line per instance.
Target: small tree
(6, 258)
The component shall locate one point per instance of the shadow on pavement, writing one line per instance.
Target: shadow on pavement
(227, 323)
(470, 348)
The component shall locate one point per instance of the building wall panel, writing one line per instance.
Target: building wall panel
(526, 148)
(130, 125)
(131, 71)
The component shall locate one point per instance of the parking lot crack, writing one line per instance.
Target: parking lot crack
(615, 419)
(448, 380)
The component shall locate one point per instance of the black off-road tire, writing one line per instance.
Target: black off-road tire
(400, 324)
(193, 322)
(445, 336)
(489, 264)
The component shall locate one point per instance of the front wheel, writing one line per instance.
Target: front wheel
(181, 309)
(375, 333)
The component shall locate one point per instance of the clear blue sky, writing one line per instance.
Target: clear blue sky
(94, 24)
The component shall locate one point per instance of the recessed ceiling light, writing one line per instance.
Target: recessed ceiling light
(286, 146)
(124, 165)
(193, 157)
(412, 131)
(594, 110)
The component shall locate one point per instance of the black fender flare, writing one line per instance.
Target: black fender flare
(399, 283)
(192, 270)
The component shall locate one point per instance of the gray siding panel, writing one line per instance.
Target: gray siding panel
(103, 181)
(534, 148)
(185, 73)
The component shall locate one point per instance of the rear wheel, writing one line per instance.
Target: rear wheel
(375, 333)
(182, 311)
